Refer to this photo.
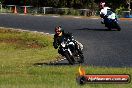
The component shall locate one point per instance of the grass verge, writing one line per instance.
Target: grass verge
(19, 51)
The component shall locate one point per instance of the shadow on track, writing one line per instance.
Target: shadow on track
(52, 64)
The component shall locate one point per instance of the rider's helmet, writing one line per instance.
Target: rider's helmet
(58, 30)
(102, 4)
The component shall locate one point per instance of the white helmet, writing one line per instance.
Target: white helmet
(102, 4)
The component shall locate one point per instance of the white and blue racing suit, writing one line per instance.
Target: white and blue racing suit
(107, 12)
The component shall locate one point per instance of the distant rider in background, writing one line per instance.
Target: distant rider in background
(106, 12)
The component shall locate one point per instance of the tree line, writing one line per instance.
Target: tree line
(77, 4)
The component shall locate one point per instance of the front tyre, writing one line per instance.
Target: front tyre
(109, 28)
(81, 58)
(118, 27)
(68, 57)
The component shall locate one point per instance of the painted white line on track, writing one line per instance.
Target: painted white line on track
(47, 33)
(55, 16)
(77, 17)
(35, 31)
(41, 32)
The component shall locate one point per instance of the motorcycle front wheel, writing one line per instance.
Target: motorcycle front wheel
(81, 58)
(69, 58)
(118, 27)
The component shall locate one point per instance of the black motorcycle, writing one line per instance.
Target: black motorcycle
(70, 51)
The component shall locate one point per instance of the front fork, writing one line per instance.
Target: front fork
(70, 52)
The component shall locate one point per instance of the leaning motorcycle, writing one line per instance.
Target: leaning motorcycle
(70, 51)
(111, 23)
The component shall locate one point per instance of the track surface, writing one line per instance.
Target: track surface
(101, 47)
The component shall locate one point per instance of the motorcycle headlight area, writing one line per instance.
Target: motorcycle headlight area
(71, 43)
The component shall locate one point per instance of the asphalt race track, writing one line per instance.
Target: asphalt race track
(101, 47)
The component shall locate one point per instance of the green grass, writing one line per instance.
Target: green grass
(19, 51)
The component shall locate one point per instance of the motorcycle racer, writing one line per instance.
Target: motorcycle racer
(60, 35)
(106, 12)
(109, 17)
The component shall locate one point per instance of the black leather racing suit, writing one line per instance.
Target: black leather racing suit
(58, 40)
